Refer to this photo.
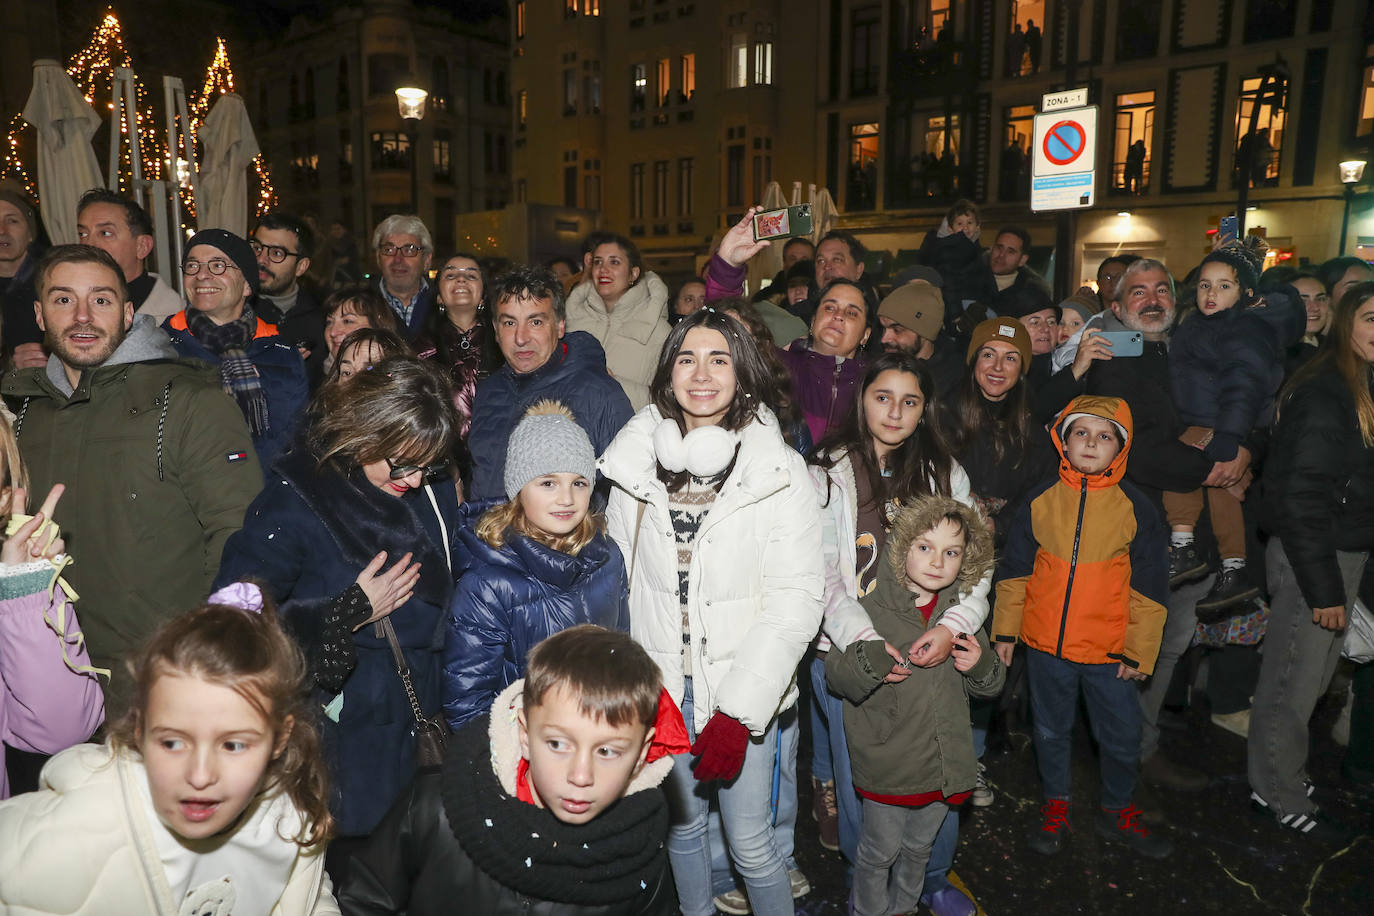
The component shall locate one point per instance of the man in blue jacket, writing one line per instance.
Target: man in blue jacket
(265, 375)
(541, 362)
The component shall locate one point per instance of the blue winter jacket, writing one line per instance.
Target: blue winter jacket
(1226, 368)
(307, 536)
(509, 599)
(283, 381)
(575, 375)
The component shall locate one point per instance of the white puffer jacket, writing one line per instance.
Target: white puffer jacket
(83, 845)
(754, 587)
(632, 333)
(845, 620)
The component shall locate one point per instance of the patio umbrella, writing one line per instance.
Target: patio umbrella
(67, 167)
(222, 194)
(766, 264)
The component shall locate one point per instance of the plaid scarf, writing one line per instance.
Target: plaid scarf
(240, 377)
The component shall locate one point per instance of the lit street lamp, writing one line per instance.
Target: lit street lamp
(1352, 171)
(410, 100)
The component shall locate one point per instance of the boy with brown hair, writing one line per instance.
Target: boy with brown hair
(551, 798)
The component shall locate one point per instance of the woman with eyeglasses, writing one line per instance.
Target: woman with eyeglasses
(353, 529)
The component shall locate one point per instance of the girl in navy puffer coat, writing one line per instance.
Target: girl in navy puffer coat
(530, 566)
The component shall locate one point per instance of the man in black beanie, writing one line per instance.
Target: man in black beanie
(263, 373)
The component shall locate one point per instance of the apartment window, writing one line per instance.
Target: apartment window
(1013, 168)
(345, 154)
(522, 107)
(664, 74)
(390, 150)
(385, 72)
(637, 191)
(639, 86)
(591, 7)
(687, 77)
(500, 154)
(341, 93)
(591, 191)
(488, 161)
(863, 166)
(438, 83)
(570, 186)
(1132, 137)
(763, 173)
(570, 12)
(738, 62)
(763, 63)
(519, 19)
(569, 92)
(1266, 20)
(1137, 32)
(443, 164)
(865, 44)
(685, 186)
(309, 92)
(734, 175)
(661, 189)
(1261, 105)
(592, 84)
(1364, 124)
(939, 16)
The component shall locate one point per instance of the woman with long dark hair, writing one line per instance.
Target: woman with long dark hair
(720, 528)
(1319, 509)
(458, 332)
(349, 537)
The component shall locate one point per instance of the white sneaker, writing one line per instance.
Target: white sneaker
(735, 902)
(800, 885)
(982, 795)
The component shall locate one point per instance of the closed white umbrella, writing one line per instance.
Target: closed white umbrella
(823, 213)
(67, 167)
(230, 146)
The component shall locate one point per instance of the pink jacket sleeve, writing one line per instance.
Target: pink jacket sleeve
(722, 280)
(45, 707)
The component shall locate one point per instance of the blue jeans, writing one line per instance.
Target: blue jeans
(1113, 713)
(746, 813)
(831, 711)
(784, 815)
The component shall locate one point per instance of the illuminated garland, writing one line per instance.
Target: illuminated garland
(92, 69)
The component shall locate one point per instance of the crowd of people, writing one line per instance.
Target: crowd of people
(520, 586)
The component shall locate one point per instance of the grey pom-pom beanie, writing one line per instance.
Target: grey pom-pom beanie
(547, 440)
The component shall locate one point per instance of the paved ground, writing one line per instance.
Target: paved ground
(1228, 860)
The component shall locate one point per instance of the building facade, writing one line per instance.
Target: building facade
(322, 99)
(670, 117)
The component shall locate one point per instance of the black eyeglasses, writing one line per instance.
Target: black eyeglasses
(405, 251)
(275, 253)
(216, 267)
(428, 472)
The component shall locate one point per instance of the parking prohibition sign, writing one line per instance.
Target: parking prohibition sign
(1064, 142)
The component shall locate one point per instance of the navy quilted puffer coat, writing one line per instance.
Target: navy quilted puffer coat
(508, 599)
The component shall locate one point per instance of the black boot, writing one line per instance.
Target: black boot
(1185, 564)
(1231, 589)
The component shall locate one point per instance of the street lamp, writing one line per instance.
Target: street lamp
(410, 100)
(1352, 170)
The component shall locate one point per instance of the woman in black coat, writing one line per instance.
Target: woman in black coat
(354, 527)
(1319, 508)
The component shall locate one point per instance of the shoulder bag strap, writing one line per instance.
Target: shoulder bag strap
(634, 544)
(402, 668)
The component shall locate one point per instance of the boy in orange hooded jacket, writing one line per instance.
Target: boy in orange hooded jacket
(1082, 581)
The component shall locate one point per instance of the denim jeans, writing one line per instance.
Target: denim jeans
(893, 851)
(1299, 659)
(1179, 628)
(831, 709)
(746, 813)
(1113, 713)
(784, 814)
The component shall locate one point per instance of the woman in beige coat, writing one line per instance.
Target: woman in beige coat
(626, 310)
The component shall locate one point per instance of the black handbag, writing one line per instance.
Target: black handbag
(431, 732)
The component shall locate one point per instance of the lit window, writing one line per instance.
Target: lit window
(1133, 134)
(688, 77)
(1266, 116)
(738, 61)
(664, 72)
(763, 63)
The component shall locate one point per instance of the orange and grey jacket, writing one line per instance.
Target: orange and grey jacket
(1084, 573)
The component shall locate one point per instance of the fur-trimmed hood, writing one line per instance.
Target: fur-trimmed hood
(920, 516)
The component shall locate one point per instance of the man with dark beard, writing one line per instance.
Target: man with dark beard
(157, 459)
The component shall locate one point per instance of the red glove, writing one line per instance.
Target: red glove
(720, 747)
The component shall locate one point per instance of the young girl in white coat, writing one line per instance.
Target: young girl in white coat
(720, 527)
(209, 798)
(887, 454)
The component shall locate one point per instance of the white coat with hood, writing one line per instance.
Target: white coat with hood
(632, 333)
(754, 585)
